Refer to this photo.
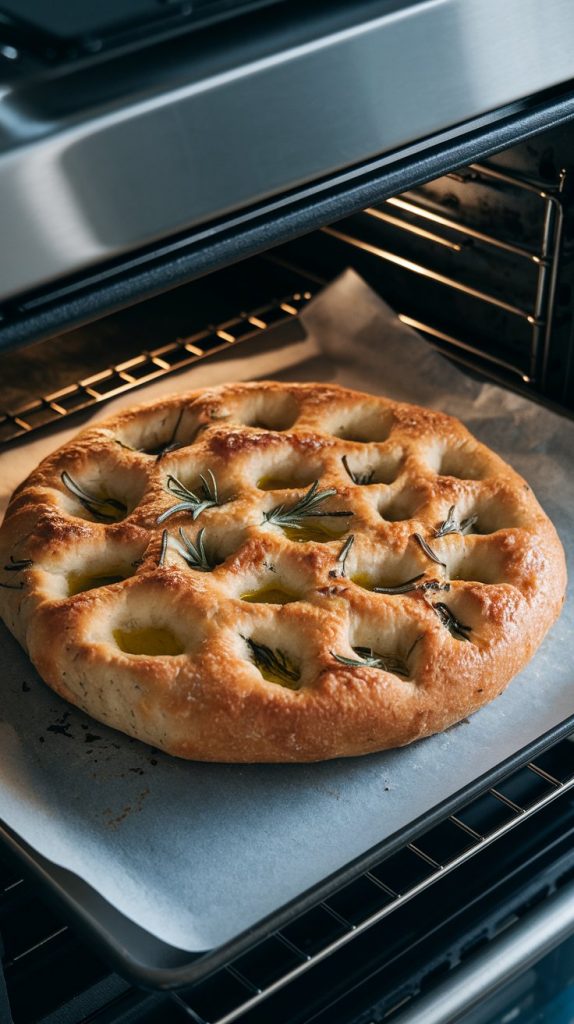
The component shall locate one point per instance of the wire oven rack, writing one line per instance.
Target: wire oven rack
(250, 980)
(435, 229)
(247, 983)
(146, 367)
(407, 216)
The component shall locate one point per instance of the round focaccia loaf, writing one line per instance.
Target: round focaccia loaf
(278, 572)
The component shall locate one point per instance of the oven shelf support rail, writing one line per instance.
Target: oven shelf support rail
(533, 371)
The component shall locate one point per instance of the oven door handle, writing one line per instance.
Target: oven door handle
(526, 942)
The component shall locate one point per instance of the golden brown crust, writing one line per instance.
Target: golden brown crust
(446, 645)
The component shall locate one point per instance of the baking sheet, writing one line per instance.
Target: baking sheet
(197, 853)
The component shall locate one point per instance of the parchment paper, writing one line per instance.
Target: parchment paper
(196, 853)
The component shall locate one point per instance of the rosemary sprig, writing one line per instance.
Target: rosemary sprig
(163, 550)
(413, 584)
(456, 629)
(274, 663)
(17, 564)
(95, 506)
(371, 659)
(188, 500)
(434, 585)
(429, 551)
(401, 588)
(468, 523)
(194, 553)
(453, 525)
(171, 445)
(342, 557)
(304, 508)
(358, 478)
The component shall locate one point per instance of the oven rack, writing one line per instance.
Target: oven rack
(148, 366)
(236, 988)
(436, 229)
(42, 945)
(152, 364)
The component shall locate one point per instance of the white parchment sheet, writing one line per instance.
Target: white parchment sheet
(196, 853)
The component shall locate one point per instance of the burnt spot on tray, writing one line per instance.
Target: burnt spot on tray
(62, 726)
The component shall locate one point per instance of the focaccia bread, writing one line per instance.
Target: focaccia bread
(278, 572)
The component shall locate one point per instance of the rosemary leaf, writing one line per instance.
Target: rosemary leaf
(167, 448)
(17, 564)
(342, 557)
(171, 445)
(434, 585)
(452, 525)
(428, 551)
(188, 500)
(95, 506)
(368, 658)
(294, 515)
(194, 553)
(456, 629)
(402, 588)
(358, 478)
(468, 523)
(413, 584)
(273, 665)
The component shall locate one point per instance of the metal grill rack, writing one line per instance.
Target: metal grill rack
(411, 218)
(146, 367)
(39, 946)
(287, 954)
(433, 229)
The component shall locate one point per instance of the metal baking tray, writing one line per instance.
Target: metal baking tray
(150, 963)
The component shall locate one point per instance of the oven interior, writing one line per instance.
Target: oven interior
(479, 262)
